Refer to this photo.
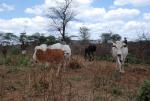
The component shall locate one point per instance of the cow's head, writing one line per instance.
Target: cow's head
(118, 47)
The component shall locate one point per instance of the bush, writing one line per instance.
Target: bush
(105, 57)
(133, 60)
(14, 51)
(116, 91)
(23, 61)
(130, 59)
(144, 94)
(7, 61)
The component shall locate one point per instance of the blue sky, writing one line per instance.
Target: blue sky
(19, 7)
(125, 17)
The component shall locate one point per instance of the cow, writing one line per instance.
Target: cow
(43, 54)
(65, 48)
(89, 52)
(119, 52)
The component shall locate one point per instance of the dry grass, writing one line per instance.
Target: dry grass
(92, 81)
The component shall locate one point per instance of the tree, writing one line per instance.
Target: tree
(51, 40)
(61, 15)
(105, 37)
(143, 35)
(10, 36)
(115, 37)
(84, 34)
(23, 37)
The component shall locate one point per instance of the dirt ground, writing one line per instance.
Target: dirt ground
(87, 81)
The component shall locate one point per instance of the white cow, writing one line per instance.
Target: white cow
(119, 52)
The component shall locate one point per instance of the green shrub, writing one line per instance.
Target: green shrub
(144, 94)
(130, 59)
(133, 60)
(116, 91)
(7, 61)
(98, 98)
(105, 57)
(14, 51)
(23, 61)
(76, 79)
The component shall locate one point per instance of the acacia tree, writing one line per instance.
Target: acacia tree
(105, 37)
(115, 37)
(84, 34)
(61, 15)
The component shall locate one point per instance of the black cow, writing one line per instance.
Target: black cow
(89, 52)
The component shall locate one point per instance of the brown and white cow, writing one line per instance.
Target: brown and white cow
(42, 54)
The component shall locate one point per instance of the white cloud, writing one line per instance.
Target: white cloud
(18, 25)
(135, 28)
(147, 16)
(121, 13)
(132, 2)
(37, 10)
(6, 7)
(136, 25)
(91, 14)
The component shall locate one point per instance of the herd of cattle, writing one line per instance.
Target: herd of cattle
(60, 54)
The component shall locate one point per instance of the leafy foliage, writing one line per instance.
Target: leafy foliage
(14, 51)
(116, 37)
(106, 37)
(132, 59)
(105, 57)
(144, 92)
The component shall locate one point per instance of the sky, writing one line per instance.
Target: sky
(128, 18)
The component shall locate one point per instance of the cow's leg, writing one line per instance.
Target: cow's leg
(92, 54)
(85, 55)
(123, 66)
(65, 64)
(59, 67)
(89, 56)
(119, 65)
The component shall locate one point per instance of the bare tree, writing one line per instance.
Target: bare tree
(84, 34)
(61, 15)
(143, 35)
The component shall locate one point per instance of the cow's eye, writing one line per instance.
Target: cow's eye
(124, 46)
(113, 46)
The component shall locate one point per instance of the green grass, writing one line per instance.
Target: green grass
(98, 98)
(77, 79)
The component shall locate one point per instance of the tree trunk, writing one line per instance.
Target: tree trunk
(63, 33)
